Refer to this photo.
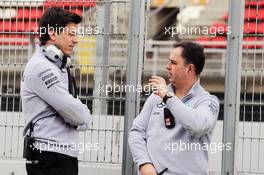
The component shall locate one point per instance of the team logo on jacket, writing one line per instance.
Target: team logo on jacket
(49, 78)
(161, 104)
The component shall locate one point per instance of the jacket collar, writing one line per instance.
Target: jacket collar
(196, 89)
(58, 63)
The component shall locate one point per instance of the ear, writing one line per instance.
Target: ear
(52, 35)
(191, 68)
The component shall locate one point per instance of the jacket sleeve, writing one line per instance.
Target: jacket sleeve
(48, 84)
(137, 134)
(199, 120)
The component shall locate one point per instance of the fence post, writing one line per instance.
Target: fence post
(134, 72)
(232, 85)
(102, 55)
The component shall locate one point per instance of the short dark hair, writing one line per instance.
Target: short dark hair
(55, 18)
(192, 53)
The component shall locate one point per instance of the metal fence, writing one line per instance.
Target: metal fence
(100, 60)
(251, 134)
(110, 54)
(243, 118)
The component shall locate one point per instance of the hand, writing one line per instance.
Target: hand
(159, 85)
(147, 169)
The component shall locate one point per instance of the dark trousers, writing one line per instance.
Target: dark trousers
(51, 163)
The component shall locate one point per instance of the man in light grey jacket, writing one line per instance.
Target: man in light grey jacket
(52, 112)
(172, 133)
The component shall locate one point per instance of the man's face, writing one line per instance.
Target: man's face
(176, 67)
(67, 39)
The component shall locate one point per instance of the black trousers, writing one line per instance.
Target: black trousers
(51, 163)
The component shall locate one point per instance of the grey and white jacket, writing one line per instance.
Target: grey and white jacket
(47, 102)
(182, 150)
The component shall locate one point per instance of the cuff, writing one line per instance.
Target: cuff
(82, 127)
(171, 102)
(142, 162)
